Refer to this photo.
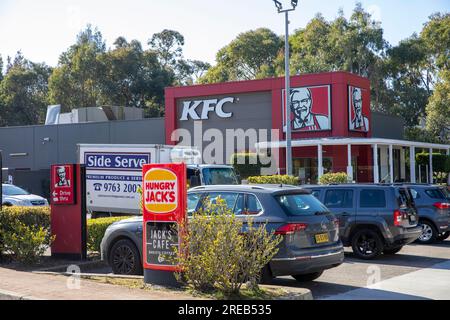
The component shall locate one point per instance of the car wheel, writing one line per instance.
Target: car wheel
(124, 258)
(443, 236)
(392, 250)
(367, 244)
(429, 233)
(308, 276)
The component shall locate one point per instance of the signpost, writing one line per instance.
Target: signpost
(164, 209)
(68, 211)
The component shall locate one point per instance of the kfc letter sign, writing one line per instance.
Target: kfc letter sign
(164, 203)
(62, 184)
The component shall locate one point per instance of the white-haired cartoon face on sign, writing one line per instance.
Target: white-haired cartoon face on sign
(302, 109)
(357, 120)
(63, 181)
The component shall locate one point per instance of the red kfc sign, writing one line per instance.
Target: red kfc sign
(62, 184)
(310, 108)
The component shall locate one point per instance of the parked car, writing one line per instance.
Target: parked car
(373, 218)
(310, 233)
(433, 205)
(15, 196)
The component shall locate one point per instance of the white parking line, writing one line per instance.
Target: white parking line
(429, 283)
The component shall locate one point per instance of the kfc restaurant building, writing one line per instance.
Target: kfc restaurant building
(330, 119)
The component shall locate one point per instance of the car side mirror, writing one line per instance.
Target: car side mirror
(194, 181)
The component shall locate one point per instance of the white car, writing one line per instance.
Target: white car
(15, 196)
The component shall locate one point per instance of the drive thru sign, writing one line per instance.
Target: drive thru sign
(164, 204)
(62, 184)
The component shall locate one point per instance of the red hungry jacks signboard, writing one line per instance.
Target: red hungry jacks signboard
(164, 199)
(62, 184)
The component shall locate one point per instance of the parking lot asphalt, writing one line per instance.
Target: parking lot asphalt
(416, 272)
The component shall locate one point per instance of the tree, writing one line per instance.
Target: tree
(168, 46)
(438, 110)
(132, 77)
(23, 92)
(250, 56)
(1, 68)
(75, 82)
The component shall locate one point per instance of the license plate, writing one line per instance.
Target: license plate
(321, 237)
(412, 218)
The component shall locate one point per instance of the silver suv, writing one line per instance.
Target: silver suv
(310, 232)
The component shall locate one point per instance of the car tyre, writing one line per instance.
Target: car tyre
(367, 244)
(266, 276)
(443, 236)
(308, 276)
(124, 258)
(429, 233)
(392, 250)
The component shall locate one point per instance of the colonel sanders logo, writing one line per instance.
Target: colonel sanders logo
(304, 119)
(358, 122)
(62, 180)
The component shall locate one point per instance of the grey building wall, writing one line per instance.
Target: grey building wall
(387, 126)
(37, 147)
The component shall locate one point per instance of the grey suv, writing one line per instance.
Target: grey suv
(433, 205)
(310, 232)
(373, 219)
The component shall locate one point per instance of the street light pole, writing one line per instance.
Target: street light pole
(287, 112)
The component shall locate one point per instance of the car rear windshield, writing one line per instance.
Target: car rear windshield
(300, 204)
(13, 191)
(438, 193)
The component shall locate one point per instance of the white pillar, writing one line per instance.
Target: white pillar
(402, 164)
(412, 164)
(376, 177)
(431, 165)
(391, 164)
(349, 162)
(319, 160)
(384, 162)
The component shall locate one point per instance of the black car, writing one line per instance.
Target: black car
(373, 218)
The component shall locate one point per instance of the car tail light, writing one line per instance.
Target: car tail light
(398, 217)
(290, 228)
(442, 205)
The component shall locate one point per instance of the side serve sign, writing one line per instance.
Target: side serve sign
(164, 208)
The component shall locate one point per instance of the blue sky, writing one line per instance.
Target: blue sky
(44, 29)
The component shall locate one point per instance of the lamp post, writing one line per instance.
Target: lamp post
(287, 113)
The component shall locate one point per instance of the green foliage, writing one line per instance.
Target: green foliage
(247, 164)
(25, 232)
(23, 92)
(96, 230)
(438, 111)
(250, 56)
(440, 161)
(275, 179)
(215, 255)
(419, 134)
(334, 177)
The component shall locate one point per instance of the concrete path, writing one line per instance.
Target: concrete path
(429, 283)
(26, 285)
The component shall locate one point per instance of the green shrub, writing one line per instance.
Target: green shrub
(275, 179)
(25, 232)
(334, 177)
(96, 230)
(247, 164)
(216, 256)
(441, 164)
